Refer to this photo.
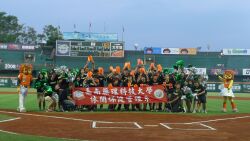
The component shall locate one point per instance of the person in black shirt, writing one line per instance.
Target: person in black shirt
(65, 101)
(39, 84)
(127, 81)
(174, 103)
(114, 80)
(155, 80)
(141, 80)
(200, 92)
(78, 82)
(168, 86)
(53, 80)
(89, 81)
(99, 78)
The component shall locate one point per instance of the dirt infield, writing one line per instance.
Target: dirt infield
(130, 126)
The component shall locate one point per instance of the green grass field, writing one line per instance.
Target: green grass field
(10, 102)
(4, 117)
(13, 137)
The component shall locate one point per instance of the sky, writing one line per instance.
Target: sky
(149, 23)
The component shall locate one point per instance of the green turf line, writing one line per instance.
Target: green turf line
(20, 137)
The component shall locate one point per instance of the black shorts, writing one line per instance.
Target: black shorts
(202, 98)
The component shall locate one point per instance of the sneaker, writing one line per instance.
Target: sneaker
(184, 110)
(224, 110)
(23, 110)
(168, 110)
(204, 111)
(194, 111)
(49, 110)
(235, 110)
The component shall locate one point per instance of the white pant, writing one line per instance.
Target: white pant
(22, 95)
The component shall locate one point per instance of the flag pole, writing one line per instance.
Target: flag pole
(122, 32)
(104, 28)
(90, 27)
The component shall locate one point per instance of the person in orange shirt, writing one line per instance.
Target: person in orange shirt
(226, 91)
(24, 81)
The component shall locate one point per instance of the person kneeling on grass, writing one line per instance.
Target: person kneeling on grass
(199, 92)
(65, 101)
(174, 103)
(50, 98)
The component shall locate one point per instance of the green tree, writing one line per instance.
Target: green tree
(27, 36)
(52, 34)
(10, 29)
(41, 39)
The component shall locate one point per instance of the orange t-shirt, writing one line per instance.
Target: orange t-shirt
(25, 80)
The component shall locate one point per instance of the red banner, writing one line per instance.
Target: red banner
(119, 95)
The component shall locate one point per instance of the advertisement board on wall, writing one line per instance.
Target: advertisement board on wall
(199, 71)
(116, 49)
(236, 51)
(62, 48)
(4, 82)
(14, 47)
(11, 46)
(28, 47)
(180, 51)
(221, 71)
(8, 82)
(11, 66)
(152, 50)
(245, 71)
(3, 46)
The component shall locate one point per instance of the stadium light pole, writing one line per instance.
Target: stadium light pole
(136, 46)
(90, 26)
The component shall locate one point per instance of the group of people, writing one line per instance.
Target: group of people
(186, 91)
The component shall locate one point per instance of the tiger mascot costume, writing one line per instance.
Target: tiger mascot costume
(24, 82)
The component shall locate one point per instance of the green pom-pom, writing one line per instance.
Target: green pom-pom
(44, 72)
(48, 90)
(38, 84)
(189, 96)
(180, 63)
(178, 77)
(166, 71)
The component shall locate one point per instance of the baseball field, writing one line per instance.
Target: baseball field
(35, 125)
